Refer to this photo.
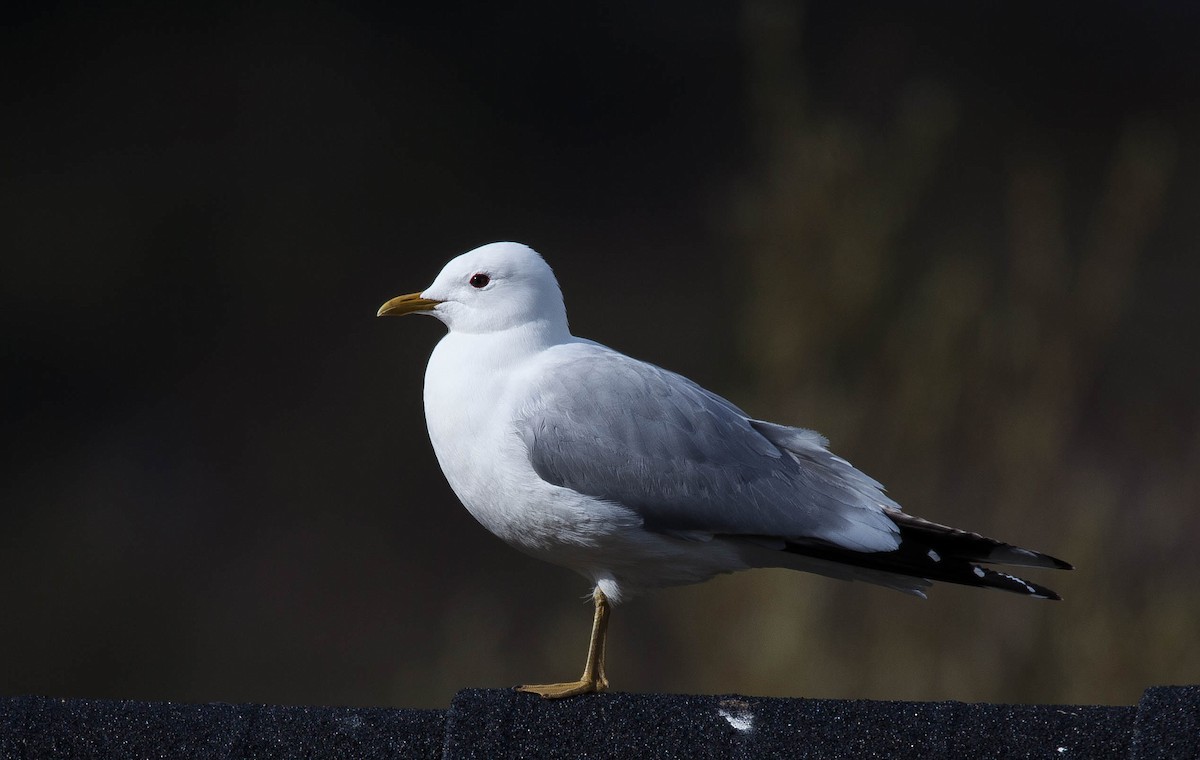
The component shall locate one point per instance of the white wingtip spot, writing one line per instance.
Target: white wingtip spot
(1029, 589)
(979, 572)
(935, 556)
(740, 720)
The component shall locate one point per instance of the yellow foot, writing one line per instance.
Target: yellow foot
(593, 679)
(568, 689)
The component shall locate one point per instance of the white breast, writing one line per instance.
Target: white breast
(475, 387)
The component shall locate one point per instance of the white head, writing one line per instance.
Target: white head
(495, 287)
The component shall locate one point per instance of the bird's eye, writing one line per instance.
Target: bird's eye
(479, 280)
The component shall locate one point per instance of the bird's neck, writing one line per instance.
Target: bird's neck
(486, 354)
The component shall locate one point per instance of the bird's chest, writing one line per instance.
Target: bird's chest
(470, 415)
(467, 425)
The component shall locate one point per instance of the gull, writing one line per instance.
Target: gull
(638, 478)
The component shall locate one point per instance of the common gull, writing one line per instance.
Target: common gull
(638, 478)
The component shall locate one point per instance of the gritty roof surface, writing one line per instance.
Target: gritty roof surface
(503, 723)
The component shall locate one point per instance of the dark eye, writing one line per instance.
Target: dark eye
(479, 280)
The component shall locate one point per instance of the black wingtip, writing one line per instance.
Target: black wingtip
(973, 547)
(1007, 554)
(1041, 592)
(1058, 563)
(988, 578)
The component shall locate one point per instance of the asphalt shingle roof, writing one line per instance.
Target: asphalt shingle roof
(503, 723)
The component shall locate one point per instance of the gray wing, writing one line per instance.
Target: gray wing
(691, 463)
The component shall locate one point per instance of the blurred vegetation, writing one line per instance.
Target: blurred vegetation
(961, 243)
(969, 372)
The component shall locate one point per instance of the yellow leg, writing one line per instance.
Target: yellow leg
(593, 678)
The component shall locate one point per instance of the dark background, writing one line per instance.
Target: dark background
(961, 240)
